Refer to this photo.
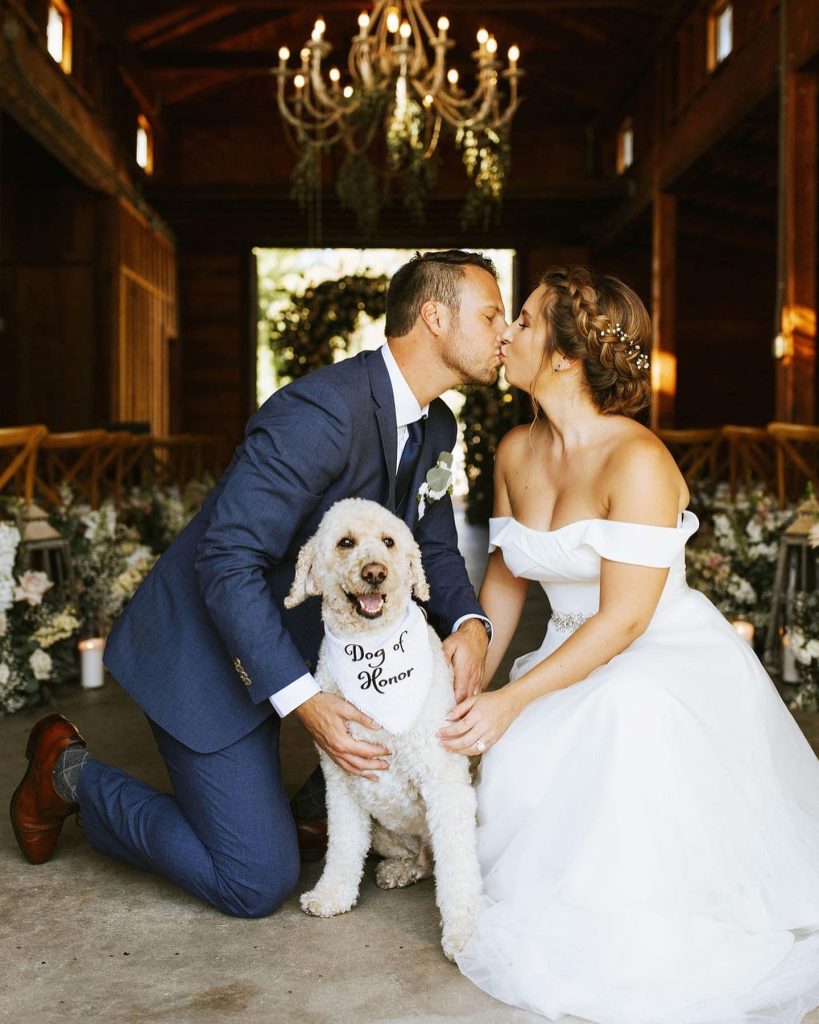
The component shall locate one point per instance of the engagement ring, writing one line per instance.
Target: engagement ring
(480, 746)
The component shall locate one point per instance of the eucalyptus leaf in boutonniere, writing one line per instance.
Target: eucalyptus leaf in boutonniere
(437, 484)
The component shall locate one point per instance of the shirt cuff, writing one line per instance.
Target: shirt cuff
(294, 694)
(480, 618)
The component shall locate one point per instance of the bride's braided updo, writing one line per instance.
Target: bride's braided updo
(599, 321)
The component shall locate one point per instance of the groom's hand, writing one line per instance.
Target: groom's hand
(466, 651)
(325, 717)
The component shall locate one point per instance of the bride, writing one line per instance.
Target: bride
(648, 808)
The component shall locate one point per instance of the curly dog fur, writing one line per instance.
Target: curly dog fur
(420, 814)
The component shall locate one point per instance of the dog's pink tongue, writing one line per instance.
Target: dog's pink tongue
(371, 603)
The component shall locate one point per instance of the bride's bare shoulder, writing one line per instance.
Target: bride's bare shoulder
(639, 460)
(516, 443)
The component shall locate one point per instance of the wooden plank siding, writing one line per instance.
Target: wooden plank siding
(147, 321)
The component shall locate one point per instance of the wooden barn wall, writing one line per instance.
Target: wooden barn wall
(54, 293)
(725, 368)
(145, 266)
(217, 359)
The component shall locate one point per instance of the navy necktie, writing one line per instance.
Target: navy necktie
(408, 463)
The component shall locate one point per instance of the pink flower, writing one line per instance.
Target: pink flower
(715, 560)
(32, 587)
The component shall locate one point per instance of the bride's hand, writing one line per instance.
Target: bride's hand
(478, 722)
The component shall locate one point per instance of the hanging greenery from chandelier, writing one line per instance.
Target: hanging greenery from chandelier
(399, 100)
(314, 330)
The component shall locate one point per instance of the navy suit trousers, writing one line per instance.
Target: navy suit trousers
(226, 835)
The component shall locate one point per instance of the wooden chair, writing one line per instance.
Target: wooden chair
(699, 455)
(109, 464)
(797, 460)
(751, 459)
(178, 458)
(18, 455)
(69, 459)
(133, 465)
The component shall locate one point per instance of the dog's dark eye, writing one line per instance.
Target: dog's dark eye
(346, 542)
(389, 542)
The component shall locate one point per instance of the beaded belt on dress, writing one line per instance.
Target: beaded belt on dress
(568, 622)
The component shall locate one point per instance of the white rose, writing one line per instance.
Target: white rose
(724, 532)
(32, 587)
(41, 664)
(812, 650)
(138, 556)
(9, 539)
(5, 672)
(754, 532)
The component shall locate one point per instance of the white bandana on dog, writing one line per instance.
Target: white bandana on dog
(386, 676)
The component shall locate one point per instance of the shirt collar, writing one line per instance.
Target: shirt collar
(407, 409)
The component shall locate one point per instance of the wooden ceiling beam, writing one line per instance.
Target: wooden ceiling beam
(138, 30)
(210, 60)
(184, 26)
(148, 10)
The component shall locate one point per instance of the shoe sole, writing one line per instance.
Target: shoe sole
(30, 747)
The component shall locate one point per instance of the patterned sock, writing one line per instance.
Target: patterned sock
(308, 804)
(67, 770)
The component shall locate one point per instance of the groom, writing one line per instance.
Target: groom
(205, 646)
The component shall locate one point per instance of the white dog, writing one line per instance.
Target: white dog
(380, 654)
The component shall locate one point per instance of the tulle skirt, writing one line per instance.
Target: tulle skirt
(649, 839)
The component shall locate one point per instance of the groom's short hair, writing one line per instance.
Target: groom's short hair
(436, 277)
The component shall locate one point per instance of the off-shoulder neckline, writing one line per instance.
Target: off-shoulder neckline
(598, 519)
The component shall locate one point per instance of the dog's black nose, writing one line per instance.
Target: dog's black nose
(374, 573)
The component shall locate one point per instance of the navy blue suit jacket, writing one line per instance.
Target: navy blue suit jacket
(206, 639)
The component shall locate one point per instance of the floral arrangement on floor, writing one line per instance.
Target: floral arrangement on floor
(112, 549)
(802, 635)
(733, 556)
(38, 628)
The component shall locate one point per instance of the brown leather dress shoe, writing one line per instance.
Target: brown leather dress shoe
(312, 839)
(37, 811)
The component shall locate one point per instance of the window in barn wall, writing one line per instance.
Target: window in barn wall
(720, 34)
(625, 146)
(145, 144)
(58, 33)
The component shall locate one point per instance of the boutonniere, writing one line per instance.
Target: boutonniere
(437, 484)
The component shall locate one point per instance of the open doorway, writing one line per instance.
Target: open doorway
(285, 276)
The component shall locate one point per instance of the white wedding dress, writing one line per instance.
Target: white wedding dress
(649, 836)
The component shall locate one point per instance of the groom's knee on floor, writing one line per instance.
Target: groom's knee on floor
(261, 895)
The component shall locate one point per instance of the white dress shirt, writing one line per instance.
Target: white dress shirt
(407, 410)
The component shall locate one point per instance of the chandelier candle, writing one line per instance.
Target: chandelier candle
(399, 84)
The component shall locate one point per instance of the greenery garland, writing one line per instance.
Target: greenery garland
(315, 327)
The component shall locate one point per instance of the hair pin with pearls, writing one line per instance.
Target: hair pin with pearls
(633, 348)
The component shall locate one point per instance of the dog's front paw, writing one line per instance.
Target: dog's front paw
(399, 872)
(321, 902)
(456, 936)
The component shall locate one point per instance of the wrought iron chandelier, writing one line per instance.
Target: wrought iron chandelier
(397, 87)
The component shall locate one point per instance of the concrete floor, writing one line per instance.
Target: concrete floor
(85, 939)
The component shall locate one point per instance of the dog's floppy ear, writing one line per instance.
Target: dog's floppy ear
(305, 583)
(420, 587)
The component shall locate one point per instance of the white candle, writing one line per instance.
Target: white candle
(744, 629)
(92, 674)
(790, 670)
